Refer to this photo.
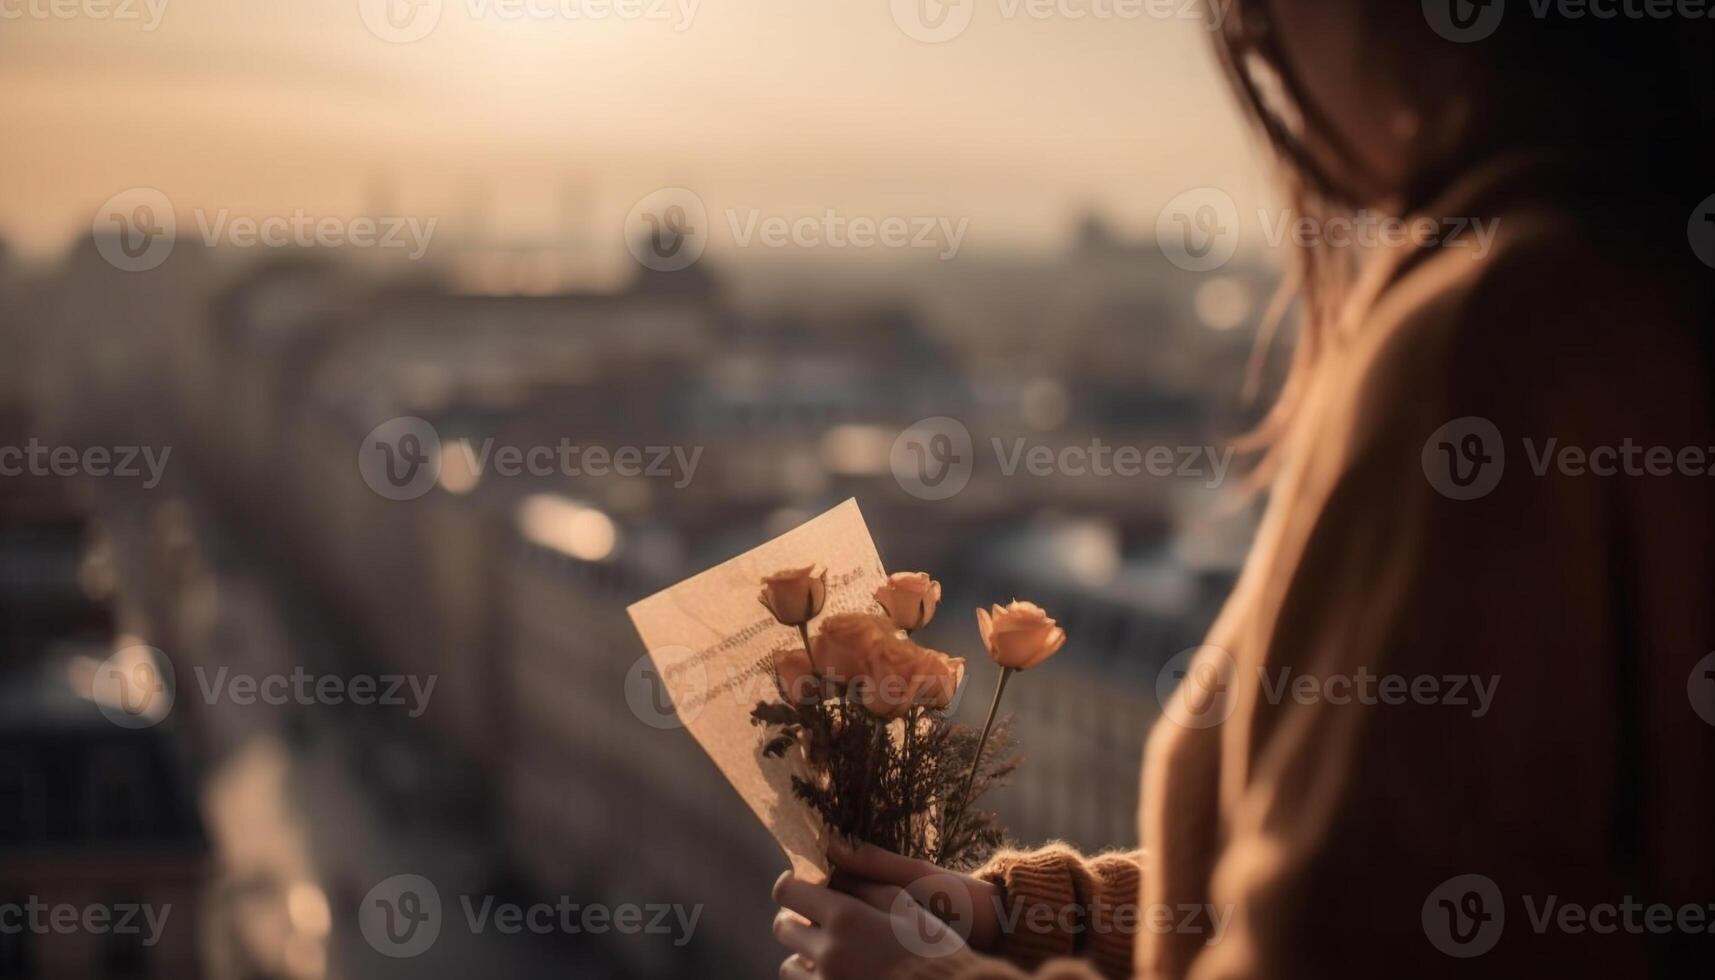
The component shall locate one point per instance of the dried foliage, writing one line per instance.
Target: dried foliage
(894, 784)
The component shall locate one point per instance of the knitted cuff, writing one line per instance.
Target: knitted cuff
(1047, 894)
(1111, 944)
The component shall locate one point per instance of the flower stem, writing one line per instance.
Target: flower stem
(867, 808)
(804, 633)
(964, 798)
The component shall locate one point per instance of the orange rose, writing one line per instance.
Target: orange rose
(1020, 635)
(795, 596)
(945, 675)
(910, 599)
(845, 644)
(902, 674)
(796, 677)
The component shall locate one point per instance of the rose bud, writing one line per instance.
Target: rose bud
(910, 599)
(1021, 635)
(795, 596)
(846, 642)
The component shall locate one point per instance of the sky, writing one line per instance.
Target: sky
(519, 122)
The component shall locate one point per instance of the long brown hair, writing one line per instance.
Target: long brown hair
(1635, 94)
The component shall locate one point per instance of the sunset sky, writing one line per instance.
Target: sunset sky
(515, 126)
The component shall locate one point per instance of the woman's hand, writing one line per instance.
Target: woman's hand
(970, 905)
(877, 919)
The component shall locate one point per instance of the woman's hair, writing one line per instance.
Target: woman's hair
(1630, 91)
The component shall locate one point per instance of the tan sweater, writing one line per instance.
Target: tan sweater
(1329, 833)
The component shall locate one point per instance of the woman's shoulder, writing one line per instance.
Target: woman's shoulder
(1558, 315)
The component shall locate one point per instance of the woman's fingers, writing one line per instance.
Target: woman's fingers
(874, 894)
(877, 864)
(817, 903)
(797, 968)
(798, 935)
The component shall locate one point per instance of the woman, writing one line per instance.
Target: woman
(1461, 495)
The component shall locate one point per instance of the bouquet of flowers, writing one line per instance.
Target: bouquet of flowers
(866, 707)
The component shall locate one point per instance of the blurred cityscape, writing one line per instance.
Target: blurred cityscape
(189, 505)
